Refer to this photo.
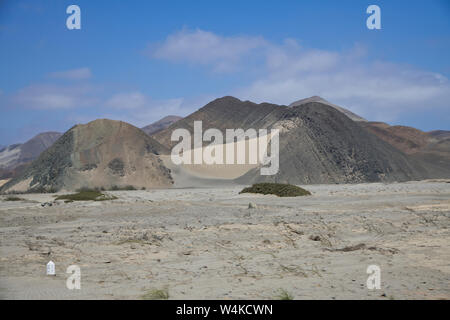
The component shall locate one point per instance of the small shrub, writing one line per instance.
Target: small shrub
(156, 294)
(11, 198)
(284, 295)
(86, 189)
(117, 167)
(122, 188)
(90, 195)
(42, 189)
(278, 189)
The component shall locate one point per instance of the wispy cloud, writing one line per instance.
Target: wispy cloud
(287, 71)
(222, 53)
(128, 100)
(73, 74)
(51, 96)
(378, 90)
(141, 109)
(148, 112)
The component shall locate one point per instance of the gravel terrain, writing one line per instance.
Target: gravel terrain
(208, 244)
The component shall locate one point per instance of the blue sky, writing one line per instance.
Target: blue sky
(138, 61)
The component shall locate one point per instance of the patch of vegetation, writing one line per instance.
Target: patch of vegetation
(284, 295)
(87, 189)
(48, 189)
(112, 188)
(11, 198)
(117, 166)
(156, 294)
(86, 195)
(88, 166)
(49, 169)
(278, 189)
(33, 190)
(122, 188)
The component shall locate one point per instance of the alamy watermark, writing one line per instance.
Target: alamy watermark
(239, 147)
(374, 279)
(73, 281)
(74, 20)
(374, 20)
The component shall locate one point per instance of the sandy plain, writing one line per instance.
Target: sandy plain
(206, 243)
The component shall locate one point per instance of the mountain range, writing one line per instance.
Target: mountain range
(14, 158)
(319, 143)
(160, 125)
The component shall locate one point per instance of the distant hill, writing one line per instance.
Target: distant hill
(9, 156)
(103, 153)
(431, 150)
(348, 113)
(407, 139)
(160, 124)
(440, 134)
(225, 113)
(318, 142)
(14, 158)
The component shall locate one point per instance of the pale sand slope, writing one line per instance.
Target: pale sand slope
(207, 244)
(2, 182)
(189, 174)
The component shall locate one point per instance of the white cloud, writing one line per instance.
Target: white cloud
(49, 96)
(287, 72)
(376, 90)
(73, 74)
(206, 48)
(131, 100)
(153, 111)
(142, 110)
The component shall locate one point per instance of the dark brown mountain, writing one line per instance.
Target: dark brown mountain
(160, 124)
(407, 139)
(225, 113)
(440, 134)
(318, 142)
(431, 150)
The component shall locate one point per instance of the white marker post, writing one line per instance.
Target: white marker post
(51, 268)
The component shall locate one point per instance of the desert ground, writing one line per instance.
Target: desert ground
(206, 243)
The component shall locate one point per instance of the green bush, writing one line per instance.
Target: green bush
(42, 190)
(122, 188)
(13, 199)
(284, 295)
(156, 294)
(86, 189)
(278, 189)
